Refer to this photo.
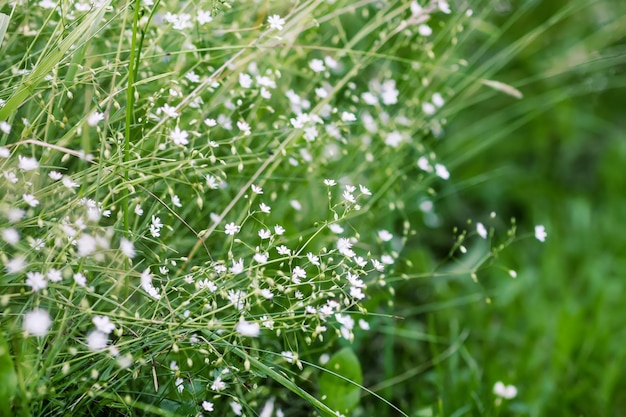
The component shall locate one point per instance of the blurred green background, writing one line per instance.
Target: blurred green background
(557, 157)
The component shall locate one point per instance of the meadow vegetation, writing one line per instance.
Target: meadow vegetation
(268, 208)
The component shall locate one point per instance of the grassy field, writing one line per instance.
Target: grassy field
(269, 208)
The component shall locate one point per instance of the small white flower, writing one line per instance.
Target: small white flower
(180, 387)
(237, 267)
(103, 324)
(37, 322)
(54, 275)
(330, 183)
(331, 62)
(245, 80)
(168, 110)
(127, 248)
(179, 137)
(265, 234)
(5, 127)
(36, 280)
(207, 406)
(236, 407)
(288, 356)
(384, 235)
(315, 260)
(265, 208)
(298, 273)
(27, 164)
(442, 172)
(94, 118)
(279, 230)
(444, 7)
(202, 18)
(283, 250)
(394, 139)
(438, 100)
(415, 7)
(15, 265)
(192, 77)
(369, 98)
(344, 247)
(296, 205)
(86, 245)
(260, 258)
(348, 117)
(80, 279)
(481, 230)
(55, 175)
(96, 340)
(505, 391)
(276, 22)
(335, 228)
(232, 229)
(317, 65)
(244, 127)
(387, 259)
(11, 236)
(69, 183)
(247, 329)
(425, 30)
(429, 108)
(540, 233)
(256, 189)
(218, 384)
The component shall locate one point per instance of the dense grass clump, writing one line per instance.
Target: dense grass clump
(214, 207)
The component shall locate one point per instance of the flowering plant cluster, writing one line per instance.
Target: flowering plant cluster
(188, 193)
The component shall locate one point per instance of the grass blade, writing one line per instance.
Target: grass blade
(4, 23)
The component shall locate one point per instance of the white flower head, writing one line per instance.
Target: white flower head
(247, 329)
(27, 164)
(384, 235)
(232, 229)
(103, 324)
(505, 391)
(179, 137)
(127, 248)
(36, 280)
(96, 340)
(481, 230)
(94, 118)
(37, 322)
(540, 233)
(276, 22)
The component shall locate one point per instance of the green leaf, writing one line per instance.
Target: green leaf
(8, 378)
(340, 386)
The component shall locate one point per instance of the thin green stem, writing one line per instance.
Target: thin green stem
(130, 96)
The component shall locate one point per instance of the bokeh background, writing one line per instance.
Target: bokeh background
(556, 157)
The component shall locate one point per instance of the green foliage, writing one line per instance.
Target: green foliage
(200, 198)
(340, 385)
